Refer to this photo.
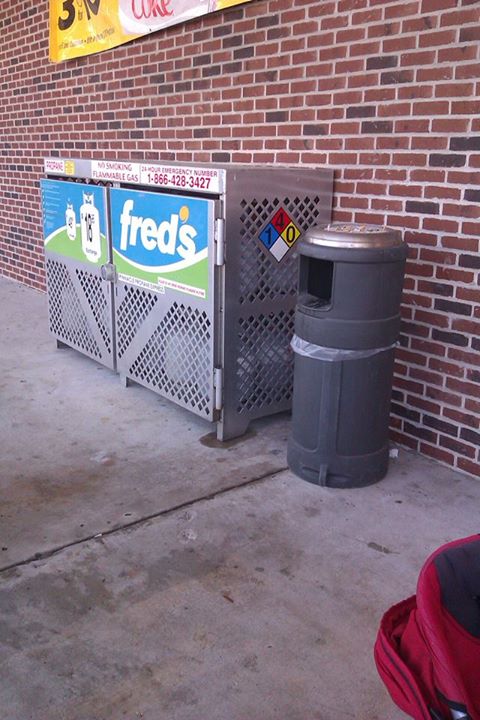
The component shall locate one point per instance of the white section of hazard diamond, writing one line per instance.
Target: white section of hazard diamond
(279, 249)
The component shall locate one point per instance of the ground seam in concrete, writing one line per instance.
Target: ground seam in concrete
(189, 503)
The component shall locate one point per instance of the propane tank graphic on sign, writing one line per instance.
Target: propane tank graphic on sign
(90, 228)
(71, 221)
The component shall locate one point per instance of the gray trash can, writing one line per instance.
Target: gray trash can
(346, 326)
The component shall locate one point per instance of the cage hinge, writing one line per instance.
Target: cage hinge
(219, 241)
(218, 388)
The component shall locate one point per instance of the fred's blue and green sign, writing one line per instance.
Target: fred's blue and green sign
(74, 221)
(161, 241)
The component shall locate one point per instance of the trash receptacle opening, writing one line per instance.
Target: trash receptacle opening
(317, 288)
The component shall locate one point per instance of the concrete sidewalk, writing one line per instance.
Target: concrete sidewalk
(147, 573)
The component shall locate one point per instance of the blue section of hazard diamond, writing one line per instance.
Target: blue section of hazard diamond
(268, 236)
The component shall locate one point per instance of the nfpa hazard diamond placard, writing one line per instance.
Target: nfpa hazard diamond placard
(280, 234)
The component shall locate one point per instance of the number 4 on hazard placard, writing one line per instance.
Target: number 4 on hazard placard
(281, 220)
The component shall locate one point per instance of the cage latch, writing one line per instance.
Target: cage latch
(108, 272)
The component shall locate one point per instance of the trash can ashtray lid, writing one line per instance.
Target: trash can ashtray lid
(353, 235)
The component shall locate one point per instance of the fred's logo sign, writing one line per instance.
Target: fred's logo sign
(158, 232)
(169, 237)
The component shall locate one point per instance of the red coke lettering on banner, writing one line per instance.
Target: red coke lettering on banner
(150, 8)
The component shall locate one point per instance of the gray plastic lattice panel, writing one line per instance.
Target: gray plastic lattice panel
(95, 294)
(261, 277)
(67, 318)
(264, 358)
(131, 314)
(176, 360)
(265, 361)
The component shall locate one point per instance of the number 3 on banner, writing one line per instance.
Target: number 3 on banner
(91, 6)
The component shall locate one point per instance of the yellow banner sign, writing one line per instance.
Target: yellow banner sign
(83, 27)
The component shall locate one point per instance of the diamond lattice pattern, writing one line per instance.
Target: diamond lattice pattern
(67, 318)
(261, 277)
(265, 362)
(132, 312)
(93, 287)
(177, 359)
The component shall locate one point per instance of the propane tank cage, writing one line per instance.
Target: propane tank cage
(181, 277)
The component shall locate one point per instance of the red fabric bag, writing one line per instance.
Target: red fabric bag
(428, 647)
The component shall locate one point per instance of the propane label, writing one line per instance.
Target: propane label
(280, 234)
(74, 221)
(54, 165)
(161, 241)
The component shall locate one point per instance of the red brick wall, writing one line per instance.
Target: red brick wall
(386, 92)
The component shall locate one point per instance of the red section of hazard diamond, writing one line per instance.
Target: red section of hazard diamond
(280, 220)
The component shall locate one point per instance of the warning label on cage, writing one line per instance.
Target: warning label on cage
(280, 234)
(115, 171)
